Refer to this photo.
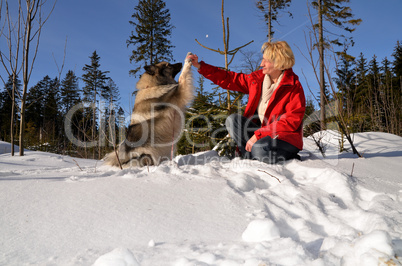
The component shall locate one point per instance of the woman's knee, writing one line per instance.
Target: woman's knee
(267, 156)
(264, 151)
(259, 152)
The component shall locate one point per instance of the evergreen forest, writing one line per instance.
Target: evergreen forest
(60, 115)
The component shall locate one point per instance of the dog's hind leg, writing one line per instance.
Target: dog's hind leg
(145, 159)
(140, 161)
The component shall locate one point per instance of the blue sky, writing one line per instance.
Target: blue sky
(102, 25)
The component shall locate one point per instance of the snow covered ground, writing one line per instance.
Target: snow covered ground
(204, 210)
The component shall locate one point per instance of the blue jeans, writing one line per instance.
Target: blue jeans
(267, 149)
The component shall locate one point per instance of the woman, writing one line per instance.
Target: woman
(271, 129)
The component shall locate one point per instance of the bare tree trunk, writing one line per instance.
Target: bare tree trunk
(93, 124)
(31, 12)
(269, 20)
(338, 112)
(13, 114)
(34, 8)
(322, 78)
(11, 61)
(225, 44)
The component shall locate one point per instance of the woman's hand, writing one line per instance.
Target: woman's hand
(194, 60)
(250, 143)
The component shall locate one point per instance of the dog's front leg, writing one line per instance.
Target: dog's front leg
(186, 70)
(185, 92)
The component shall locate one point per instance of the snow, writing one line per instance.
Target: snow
(117, 257)
(205, 210)
(261, 230)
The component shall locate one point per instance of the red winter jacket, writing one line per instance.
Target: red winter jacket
(285, 111)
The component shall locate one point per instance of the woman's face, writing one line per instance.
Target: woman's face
(267, 66)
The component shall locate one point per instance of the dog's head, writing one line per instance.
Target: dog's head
(162, 73)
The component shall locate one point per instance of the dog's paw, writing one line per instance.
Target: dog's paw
(188, 60)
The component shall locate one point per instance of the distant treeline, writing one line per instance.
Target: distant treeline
(63, 118)
(370, 92)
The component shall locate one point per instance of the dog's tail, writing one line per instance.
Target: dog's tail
(128, 159)
(112, 159)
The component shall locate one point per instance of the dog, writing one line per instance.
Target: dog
(157, 119)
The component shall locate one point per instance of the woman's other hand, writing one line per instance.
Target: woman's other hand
(250, 143)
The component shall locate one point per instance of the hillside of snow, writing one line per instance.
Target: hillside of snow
(205, 210)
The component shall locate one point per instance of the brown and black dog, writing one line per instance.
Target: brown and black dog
(157, 119)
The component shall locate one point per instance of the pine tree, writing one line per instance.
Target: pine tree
(200, 123)
(387, 99)
(361, 72)
(42, 110)
(374, 100)
(270, 9)
(151, 36)
(121, 125)
(52, 116)
(70, 96)
(312, 126)
(110, 92)
(35, 102)
(362, 90)
(397, 63)
(111, 96)
(396, 91)
(94, 80)
(6, 104)
(69, 91)
(386, 67)
(345, 81)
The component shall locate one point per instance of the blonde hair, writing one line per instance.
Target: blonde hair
(279, 53)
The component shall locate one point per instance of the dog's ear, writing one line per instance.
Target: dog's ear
(150, 70)
(176, 69)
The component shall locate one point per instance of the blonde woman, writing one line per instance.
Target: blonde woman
(271, 128)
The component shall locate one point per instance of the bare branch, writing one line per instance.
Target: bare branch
(270, 175)
(60, 70)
